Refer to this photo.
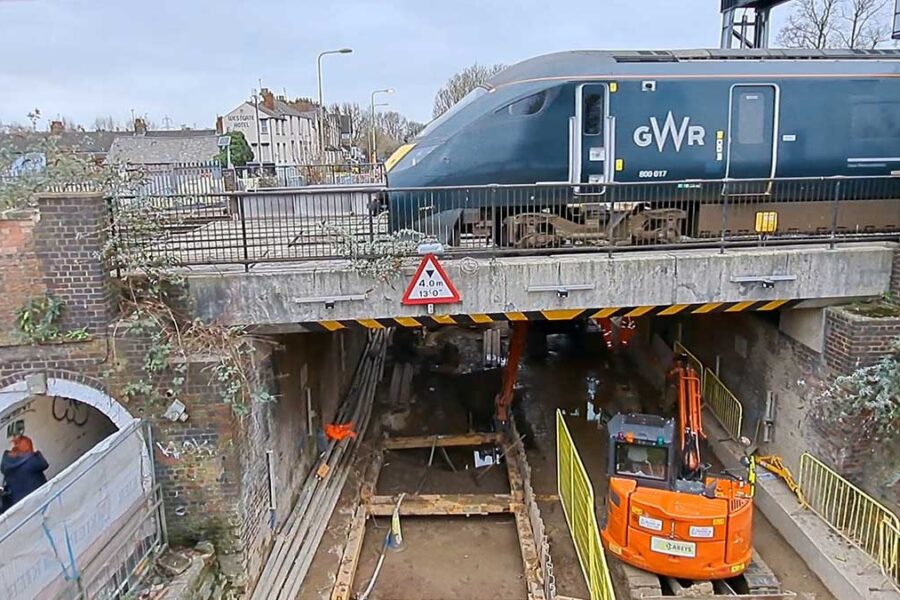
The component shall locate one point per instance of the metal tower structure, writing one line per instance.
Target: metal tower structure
(745, 23)
(895, 34)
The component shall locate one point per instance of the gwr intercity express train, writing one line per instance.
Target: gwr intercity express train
(591, 118)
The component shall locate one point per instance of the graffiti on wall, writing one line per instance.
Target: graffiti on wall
(70, 411)
(187, 448)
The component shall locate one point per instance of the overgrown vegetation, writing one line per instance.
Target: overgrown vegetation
(870, 397)
(152, 299)
(38, 321)
(379, 257)
(884, 307)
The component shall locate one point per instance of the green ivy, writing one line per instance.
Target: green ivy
(870, 397)
(38, 321)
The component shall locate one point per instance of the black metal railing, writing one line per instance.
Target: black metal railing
(283, 225)
(291, 176)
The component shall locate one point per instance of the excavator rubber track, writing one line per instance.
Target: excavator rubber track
(758, 582)
(760, 578)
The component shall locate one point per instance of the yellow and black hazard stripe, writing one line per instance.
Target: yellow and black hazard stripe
(554, 315)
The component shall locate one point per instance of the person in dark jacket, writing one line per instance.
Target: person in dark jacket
(23, 470)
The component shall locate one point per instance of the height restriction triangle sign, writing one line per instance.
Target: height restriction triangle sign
(430, 285)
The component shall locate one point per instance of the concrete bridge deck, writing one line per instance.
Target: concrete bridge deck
(332, 294)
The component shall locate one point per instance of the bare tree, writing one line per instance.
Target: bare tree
(837, 24)
(391, 128)
(461, 84)
(359, 122)
(107, 123)
(865, 23)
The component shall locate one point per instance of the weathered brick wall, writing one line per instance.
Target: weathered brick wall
(68, 240)
(853, 341)
(213, 466)
(20, 272)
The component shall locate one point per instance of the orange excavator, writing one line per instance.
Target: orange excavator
(665, 514)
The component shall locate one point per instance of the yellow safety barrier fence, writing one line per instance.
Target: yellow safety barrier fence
(889, 550)
(576, 494)
(695, 362)
(723, 404)
(858, 517)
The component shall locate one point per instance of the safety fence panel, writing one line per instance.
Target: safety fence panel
(858, 517)
(889, 550)
(680, 349)
(577, 498)
(723, 404)
(91, 532)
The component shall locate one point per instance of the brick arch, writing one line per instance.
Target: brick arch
(14, 390)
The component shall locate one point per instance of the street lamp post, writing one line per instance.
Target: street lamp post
(373, 154)
(321, 111)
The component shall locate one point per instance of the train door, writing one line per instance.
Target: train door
(592, 135)
(752, 132)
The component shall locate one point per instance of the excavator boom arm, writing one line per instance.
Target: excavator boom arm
(690, 417)
(503, 400)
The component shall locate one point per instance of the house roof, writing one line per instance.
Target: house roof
(88, 142)
(163, 149)
(284, 108)
(180, 133)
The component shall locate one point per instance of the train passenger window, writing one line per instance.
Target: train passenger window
(528, 105)
(751, 118)
(592, 114)
(875, 121)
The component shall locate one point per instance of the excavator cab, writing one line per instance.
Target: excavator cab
(665, 514)
(642, 449)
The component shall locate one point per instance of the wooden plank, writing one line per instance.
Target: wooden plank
(343, 585)
(527, 545)
(442, 504)
(441, 441)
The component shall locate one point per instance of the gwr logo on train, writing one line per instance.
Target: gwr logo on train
(645, 135)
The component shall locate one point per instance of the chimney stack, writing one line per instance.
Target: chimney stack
(140, 126)
(220, 125)
(268, 98)
(56, 127)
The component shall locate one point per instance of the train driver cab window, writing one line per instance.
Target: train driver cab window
(592, 113)
(650, 462)
(529, 105)
(751, 118)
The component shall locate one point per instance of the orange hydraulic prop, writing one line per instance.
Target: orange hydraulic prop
(503, 400)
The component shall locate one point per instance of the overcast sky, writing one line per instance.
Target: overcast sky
(193, 59)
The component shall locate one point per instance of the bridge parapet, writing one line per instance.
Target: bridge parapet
(332, 295)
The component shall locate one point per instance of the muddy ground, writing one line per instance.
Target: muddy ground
(478, 557)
